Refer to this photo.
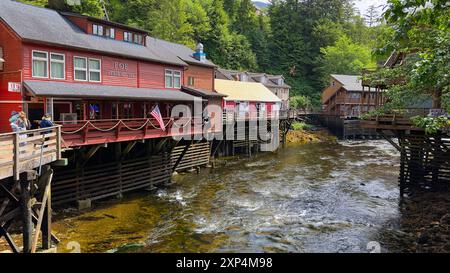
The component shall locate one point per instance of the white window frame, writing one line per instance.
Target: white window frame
(166, 72)
(191, 81)
(58, 61)
(112, 33)
(94, 70)
(178, 76)
(137, 39)
(171, 73)
(39, 59)
(80, 69)
(96, 29)
(129, 35)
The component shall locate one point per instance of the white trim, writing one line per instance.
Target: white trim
(58, 61)
(80, 69)
(39, 59)
(171, 73)
(179, 76)
(94, 70)
(166, 72)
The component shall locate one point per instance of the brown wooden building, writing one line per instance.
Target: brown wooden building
(346, 97)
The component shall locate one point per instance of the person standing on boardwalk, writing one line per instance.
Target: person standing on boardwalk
(46, 122)
(13, 121)
(23, 122)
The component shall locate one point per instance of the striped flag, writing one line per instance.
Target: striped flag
(157, 115)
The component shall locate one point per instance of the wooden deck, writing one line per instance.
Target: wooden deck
(91, 132)
(28, 150)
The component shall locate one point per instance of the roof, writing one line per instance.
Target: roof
(46, 26)
(252, 77)
(77, 90)
(105, 22)
(183, 52)
(202, 93)
(245, 91)
(349, 82)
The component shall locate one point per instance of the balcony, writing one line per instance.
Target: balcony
(89, 132)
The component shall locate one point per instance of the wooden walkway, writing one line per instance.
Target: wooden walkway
(20, 152)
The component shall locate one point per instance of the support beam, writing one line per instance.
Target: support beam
(25, 204)
(92, 151)
(396, 146)
(128, 148)
(175, 166)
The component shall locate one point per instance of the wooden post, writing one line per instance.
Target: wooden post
(58, 143)
(25, 204)
(47, 223)
(16, 166)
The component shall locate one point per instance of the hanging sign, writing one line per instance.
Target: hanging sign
(14, 87)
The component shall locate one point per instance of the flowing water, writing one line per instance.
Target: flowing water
(325, 197)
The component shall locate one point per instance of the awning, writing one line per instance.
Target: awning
(76, 90)
(245, 91)
(202, 93)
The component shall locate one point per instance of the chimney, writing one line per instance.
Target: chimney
(199, 55)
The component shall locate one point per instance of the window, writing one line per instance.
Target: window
(169, 78)
(173, 78)
(57, 66)
(128, 37)
(40, 64)
(177, 79)
(137, 39)
(112, 33)
(95, 70)
(97, 30)
(191, 81)
(80, 67)
(87, 70)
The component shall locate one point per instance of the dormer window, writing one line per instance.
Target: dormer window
(128, 37)
(280, 82)
(138, 39)
(100, 30)
(97, 30)
(111, 33)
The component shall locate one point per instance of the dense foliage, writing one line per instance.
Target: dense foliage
(303, 40)
(422, 34)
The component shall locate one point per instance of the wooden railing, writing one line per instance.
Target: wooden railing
(28, 150)
(88, 132)
(230, 116)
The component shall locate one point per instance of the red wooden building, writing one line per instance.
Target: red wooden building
(97, 78)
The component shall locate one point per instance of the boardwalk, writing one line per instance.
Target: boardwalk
(28, 150)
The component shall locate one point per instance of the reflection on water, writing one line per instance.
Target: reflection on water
(326, 197)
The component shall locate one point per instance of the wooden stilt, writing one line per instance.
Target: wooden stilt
(25, 204)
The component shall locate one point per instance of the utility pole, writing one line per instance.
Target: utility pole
(105, 11)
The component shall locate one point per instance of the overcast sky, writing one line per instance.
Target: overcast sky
(362, 5)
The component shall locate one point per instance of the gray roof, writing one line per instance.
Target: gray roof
(182, 51)
(350, 82)
(202, 93)
(48, 26)
(76, 90)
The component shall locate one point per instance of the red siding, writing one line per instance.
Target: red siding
(151, 75)
(9, 101)
(203, 77)
(80, 22)
(115, 71)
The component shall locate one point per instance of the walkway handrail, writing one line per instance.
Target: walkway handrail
(21, 151)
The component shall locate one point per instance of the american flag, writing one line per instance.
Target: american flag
(157, 115)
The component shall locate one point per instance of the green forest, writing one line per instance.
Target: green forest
(303, 40)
